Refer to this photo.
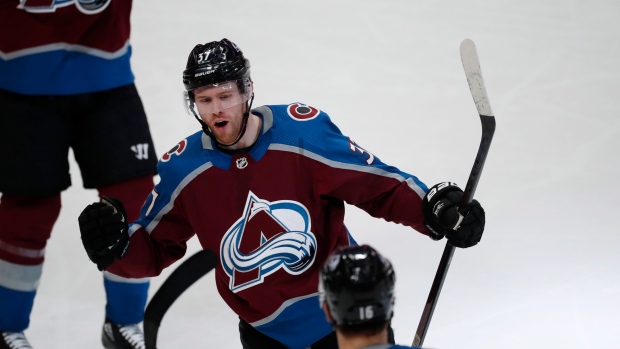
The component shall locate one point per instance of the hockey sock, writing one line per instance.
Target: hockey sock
(25, 226)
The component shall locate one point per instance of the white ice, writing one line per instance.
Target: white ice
(547, 272)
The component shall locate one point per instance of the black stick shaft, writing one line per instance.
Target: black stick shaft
(488, 129)
(185, 275)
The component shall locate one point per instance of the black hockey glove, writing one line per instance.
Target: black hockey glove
(104, 230)
(441, 217)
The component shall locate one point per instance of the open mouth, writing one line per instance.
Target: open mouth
(221, 123)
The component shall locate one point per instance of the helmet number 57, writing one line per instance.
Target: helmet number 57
(203, 56)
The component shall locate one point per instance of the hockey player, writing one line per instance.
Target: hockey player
(356, 292)
(66, 82)
(265, 189)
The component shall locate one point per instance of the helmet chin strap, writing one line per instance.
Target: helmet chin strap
(244, 124)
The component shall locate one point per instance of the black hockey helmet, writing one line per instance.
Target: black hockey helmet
(214, 62)
(358, 285)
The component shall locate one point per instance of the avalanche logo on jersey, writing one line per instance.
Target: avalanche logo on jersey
(88, 7)
(176, 150)
(268, 237)
(302, 112)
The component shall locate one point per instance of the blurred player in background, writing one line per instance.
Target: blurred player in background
(66, 82)
(356, 291)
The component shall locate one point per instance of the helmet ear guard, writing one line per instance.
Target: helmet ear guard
(188, 101)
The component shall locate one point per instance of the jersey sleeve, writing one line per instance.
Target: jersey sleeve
(358, 177)
(159, 237)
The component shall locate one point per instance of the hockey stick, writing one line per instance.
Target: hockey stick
(181, 279)
(471, 65)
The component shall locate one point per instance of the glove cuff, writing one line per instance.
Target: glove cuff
(440, 207)
(434, 233)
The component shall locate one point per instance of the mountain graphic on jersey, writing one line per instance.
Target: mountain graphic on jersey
(43, 6)
(268, 237)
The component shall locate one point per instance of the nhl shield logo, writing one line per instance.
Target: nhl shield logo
(242, 163)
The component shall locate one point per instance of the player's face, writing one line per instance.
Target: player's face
(221, 107)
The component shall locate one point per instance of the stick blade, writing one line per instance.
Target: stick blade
(471, 65)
